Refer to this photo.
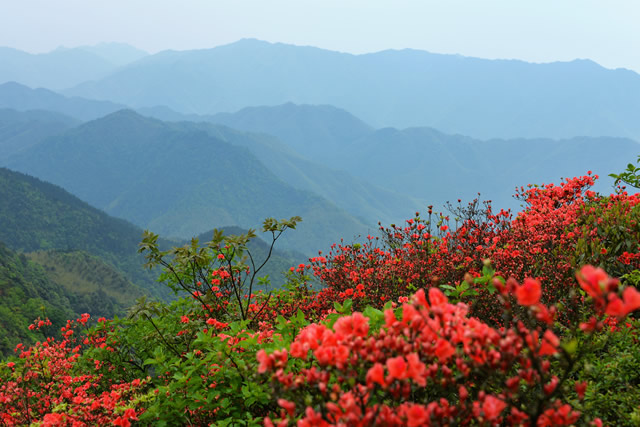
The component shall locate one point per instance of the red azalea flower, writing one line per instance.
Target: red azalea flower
(529, 293)
(397, 367)
(492, 407)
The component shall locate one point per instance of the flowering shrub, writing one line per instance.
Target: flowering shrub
(432, 364)
(561, 228)
(43, 386)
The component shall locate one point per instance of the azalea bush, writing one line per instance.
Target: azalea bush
(44, 386)
(429, 363)
(560, 228)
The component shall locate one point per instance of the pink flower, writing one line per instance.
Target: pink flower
(265, 361)
(356, 324)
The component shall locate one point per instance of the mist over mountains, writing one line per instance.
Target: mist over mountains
(63, 67)
(19, 97)
(398, 88)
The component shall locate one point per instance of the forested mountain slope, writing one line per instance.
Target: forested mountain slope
(37, 215)
(179, 181)
(26, 293)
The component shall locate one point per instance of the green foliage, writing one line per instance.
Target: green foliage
(612, 372)
(614, 229)
(95, 287)
(26, 293)
(630, 176)
(189, 268)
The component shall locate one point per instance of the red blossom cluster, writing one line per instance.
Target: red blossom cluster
(432, 364)
(562, 227)
(43, 387)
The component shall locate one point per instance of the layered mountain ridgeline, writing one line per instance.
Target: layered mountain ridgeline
(178, 180)
(307, 139)
(400, 88)
(26, 293)
(417, 161)
(39, 216)
(427, 163)
(19, 97)
(358, 197)
(313, 131)
(63, 68)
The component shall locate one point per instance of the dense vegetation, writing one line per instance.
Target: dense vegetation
(25, 293)
(39, 216)
(93, 286)
(473, 318)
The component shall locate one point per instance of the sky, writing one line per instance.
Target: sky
(605, 31)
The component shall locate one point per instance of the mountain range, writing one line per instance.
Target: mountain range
(63, 67)
(431, 166)
(394, 88)
(19, 97)
(178, 180)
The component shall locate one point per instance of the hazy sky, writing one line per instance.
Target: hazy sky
(606, 31)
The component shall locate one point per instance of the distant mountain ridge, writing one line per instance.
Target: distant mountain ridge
(118, 54)
(23, 98)
(399, 88)
(427, 163)
(21, 130)
(431, 166)
(65, 67)
(308, 138)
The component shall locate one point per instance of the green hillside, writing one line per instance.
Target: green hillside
(93, 286)
(26, 293)
(37, 215)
